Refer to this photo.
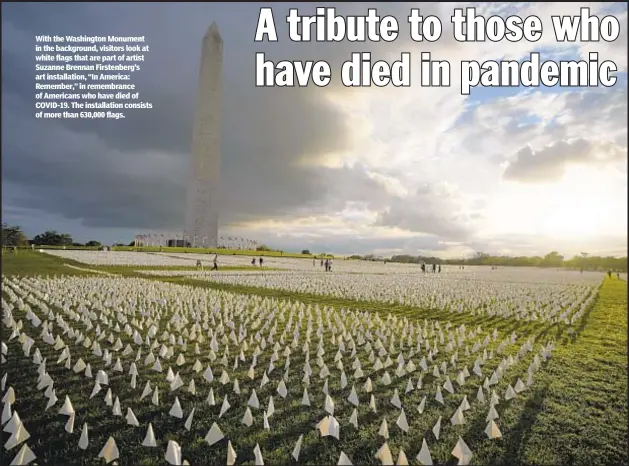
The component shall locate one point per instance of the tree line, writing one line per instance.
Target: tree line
(12, 235)
(552, 259)
(583, 261)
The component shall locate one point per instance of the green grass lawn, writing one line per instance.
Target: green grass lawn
(581, 419)
(575, 413)
(27, 264)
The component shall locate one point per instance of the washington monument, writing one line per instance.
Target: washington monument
(201, 227)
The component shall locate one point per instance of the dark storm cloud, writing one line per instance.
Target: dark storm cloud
(132, 173)
(80, 177)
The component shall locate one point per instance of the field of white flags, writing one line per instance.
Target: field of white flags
(166, 259)
(137, 358)
(522, 294)
(123, 258)
(142, 372)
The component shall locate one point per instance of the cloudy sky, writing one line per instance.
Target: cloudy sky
(386, 170)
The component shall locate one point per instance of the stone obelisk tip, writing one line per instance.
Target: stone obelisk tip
(213, 33)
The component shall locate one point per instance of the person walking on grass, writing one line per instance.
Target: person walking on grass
(253, 262)
(261, 260)
(215, 263)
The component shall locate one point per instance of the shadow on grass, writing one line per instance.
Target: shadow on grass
(518, 436)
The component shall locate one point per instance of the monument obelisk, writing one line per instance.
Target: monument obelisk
(201, 227)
